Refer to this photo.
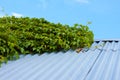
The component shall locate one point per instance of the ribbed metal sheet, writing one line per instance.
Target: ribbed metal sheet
(100, 62)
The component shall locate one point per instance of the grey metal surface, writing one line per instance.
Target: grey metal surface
(100, 62)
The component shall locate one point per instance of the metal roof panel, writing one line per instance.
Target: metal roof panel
(100, 62)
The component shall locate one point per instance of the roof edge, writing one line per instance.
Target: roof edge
(107, 40)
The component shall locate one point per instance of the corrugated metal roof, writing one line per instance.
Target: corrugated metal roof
(100, 62)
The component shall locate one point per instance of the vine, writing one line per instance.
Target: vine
(36, 35)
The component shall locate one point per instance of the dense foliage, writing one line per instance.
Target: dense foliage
(36, 35)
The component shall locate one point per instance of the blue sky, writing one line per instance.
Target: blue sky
(104, 14)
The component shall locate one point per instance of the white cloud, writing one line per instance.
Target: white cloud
(71, 2)
(16, 14)
(42, 4)
(1, 15)
(82, 1)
